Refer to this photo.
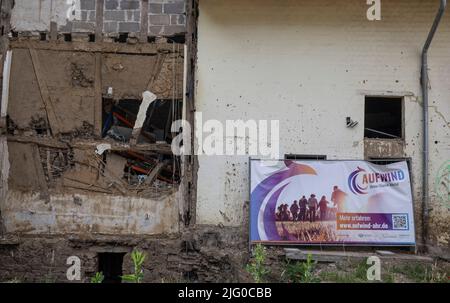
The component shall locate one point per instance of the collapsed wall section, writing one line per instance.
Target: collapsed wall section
(77, 162)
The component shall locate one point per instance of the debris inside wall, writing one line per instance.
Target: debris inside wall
(60, 122)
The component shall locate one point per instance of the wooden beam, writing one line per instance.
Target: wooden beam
(144, 21)
(40, 141)
(45, 94)
(53, 31)
(149, 49)
(156, 70)
(154, 174)
(99, 20)
(190, 162)
(43, 186)
(147, 100)
(161, 148)
(98, 105)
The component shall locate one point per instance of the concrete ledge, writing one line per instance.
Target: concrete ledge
(339, 256)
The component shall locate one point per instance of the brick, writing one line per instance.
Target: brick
(156, 8)
(177, 20)
(159, 19)
(137, 16)
(110, 27)
(174, 8)
(130, 4)
(127, 27)
(84, 15)
(111, 4)
(87, 4)
(114, 15)
(78, 26)
(92, 15)
(156, 30)
(172, 30)
(67, 28)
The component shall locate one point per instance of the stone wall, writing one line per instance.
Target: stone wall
(207, 254)
(159, 17)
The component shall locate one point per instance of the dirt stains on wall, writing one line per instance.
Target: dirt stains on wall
(67, 177)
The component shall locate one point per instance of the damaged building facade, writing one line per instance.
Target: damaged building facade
(90, 91)
(89, 96)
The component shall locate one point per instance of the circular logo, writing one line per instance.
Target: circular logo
(353, 182)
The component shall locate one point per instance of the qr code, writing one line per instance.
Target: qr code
(400, 221)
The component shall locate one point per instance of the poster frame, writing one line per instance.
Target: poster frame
(412, 246)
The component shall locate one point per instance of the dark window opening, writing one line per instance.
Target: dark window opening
(91, 37)
(383, 118)
(181, 39)
(151, 39)
(68, 37)
(110, 264)
(43, 36)
(123, 38)
(305, 157)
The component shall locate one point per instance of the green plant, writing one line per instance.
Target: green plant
(256, 267)
(138, 259)
(98, 278)
(350, 273)
(423, 273)
(300, 272)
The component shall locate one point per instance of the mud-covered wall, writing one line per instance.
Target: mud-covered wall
(310, 64)
(54, 179)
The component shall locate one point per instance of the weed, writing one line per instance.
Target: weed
(138, 259)
(98, 278)
(256, 267)
(421, 273)
(300, 272)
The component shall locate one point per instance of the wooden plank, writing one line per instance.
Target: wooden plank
(53, 31)
(40, 141)
(99, 20)
(148, 99)
(45, 94)
(190, 163)
(40, 175)
(154, 174)
(98, 105)
(144, 21)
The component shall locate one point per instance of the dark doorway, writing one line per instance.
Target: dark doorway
(110, 264)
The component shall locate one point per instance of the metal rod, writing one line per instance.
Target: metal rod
(382, 133)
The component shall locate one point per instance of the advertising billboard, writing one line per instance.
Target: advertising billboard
(330, 202)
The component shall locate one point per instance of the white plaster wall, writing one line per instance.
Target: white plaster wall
(89, 214)
(309, 64)
(36, 15)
